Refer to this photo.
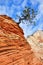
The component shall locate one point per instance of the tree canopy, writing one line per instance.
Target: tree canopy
(28, 14)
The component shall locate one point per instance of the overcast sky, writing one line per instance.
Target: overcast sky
(13, 7)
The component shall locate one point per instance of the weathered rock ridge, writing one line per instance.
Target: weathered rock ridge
(36, 42)
(14, 49)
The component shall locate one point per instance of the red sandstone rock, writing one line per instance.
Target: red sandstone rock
(14, 49)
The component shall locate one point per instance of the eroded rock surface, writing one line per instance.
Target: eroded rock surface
(36, 42)
(14, 49)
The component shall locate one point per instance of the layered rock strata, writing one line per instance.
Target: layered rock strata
(14, 49)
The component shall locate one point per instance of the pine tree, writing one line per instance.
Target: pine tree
(28, 14)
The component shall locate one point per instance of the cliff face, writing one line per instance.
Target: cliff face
(36, 42)
(14, 49)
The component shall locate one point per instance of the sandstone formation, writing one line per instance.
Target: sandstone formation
(36, 42)
(14, 49)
